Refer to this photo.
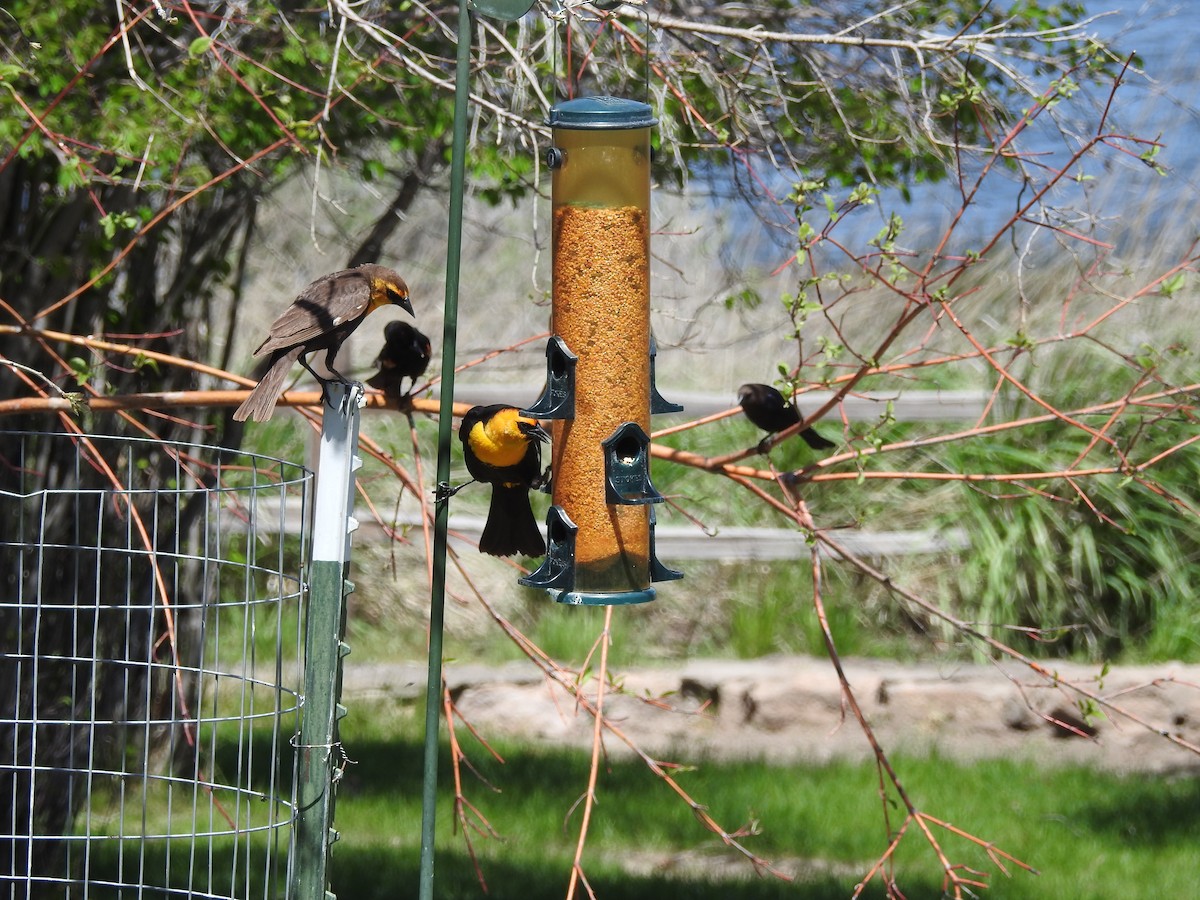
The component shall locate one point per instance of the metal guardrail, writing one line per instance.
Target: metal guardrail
(679, 542)
(685, 542)
(907, 406)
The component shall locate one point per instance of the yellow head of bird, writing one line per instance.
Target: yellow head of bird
(389, 290)
(503, 439)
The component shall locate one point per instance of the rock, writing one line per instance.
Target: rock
(1017, 715)
(790, 709)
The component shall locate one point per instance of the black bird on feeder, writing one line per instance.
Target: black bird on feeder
(767, 408)
(320, 318)
(405, 354)
(502, 448)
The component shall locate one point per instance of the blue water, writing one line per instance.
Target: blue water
(1123, 201)
(1161, 100)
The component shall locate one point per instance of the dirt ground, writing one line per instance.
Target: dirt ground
(784, 709)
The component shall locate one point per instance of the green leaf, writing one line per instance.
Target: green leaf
(114, 222)
(1173, 285)
(1021, 341)
(141, 361)
(81, 369)
(199, 46)
(70, 175)
(747, 298)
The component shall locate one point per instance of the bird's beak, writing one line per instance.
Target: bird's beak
(401, 300)
(533, 430)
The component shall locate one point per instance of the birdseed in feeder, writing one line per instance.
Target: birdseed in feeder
(601, 311)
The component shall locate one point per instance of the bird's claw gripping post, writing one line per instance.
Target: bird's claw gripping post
(444, 491)
(354, 398)
(327, 396)
(351, 396)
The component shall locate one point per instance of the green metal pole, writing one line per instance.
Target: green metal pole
(437, 604)
(318, 733)
(318, 752)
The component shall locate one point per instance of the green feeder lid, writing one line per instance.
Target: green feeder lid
(598, 113)
(603, 598)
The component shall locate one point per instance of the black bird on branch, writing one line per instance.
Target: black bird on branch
(405, 354)
(767, 408)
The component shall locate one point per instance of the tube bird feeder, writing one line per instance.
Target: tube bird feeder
(599, 391)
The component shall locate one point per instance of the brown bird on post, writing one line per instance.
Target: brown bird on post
(320, 318)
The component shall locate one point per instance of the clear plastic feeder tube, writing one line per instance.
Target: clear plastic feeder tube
(601, 310)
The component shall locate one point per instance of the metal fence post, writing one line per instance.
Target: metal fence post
(319, 753)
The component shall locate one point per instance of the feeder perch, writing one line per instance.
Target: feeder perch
(658, 571)
(600, 390)
(627, 467)
(659, 403)
(557, 572)
(558, 398)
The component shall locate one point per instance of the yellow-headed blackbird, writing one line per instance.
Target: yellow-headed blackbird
(405, 354)
(321, 318)
(767, 408)
(501, 448)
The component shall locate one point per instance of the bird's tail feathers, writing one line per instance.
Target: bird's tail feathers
(511, 527)
(261, 403)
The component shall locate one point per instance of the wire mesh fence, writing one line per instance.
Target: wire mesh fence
(150, 667)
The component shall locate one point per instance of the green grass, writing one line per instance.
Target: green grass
(744, 611)
(1090, 835)
(1111, 555)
